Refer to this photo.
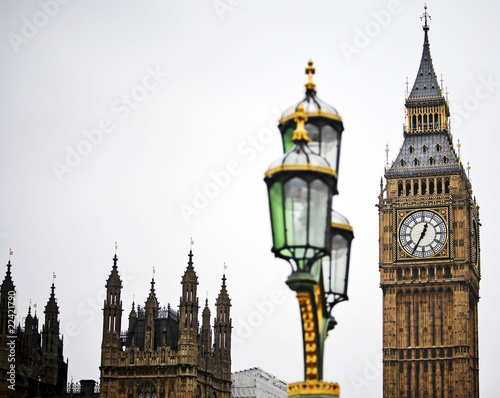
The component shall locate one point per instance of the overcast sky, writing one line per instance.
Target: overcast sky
(148, 123)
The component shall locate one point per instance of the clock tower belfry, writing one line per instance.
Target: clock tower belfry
(429, 254)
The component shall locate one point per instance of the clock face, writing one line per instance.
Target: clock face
(423, 233)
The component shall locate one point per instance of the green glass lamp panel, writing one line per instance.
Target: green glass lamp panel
(330, 141)
(277, 214)
(287, 139)
(319, 214)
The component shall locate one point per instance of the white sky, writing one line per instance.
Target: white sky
(222, 77)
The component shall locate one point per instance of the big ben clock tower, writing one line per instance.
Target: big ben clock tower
(429, 255)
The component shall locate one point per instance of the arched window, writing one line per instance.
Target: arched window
(439, 186)
(431, 161)
(408, 188)
(147, 390)
(403, 163)
(447, 185)
(445, 159)
(424, 187)
(438, 148)
(410, 148)
(415, 188)
(424, 148)
(400, 188)
(415, 162)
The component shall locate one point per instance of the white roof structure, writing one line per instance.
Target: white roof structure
(256, 383)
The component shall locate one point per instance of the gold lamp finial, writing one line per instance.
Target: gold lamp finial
(310, 70)
(300, 132)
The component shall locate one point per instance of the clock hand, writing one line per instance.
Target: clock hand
(421, 237)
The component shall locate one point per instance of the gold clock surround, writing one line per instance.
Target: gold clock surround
(402, 214)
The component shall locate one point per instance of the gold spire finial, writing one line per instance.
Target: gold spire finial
(192, 243)
(300, 132)
(310, 70)
(116, 247)
(424, 16)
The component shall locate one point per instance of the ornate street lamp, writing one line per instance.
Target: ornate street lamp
(324, 125)
(307, 233)
(300, 187)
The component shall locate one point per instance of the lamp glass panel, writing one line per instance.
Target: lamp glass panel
(277, 215)
(330, 145)
(339, 257)
(313, 133)
(296, 195)
(319, 217)
(287, 139)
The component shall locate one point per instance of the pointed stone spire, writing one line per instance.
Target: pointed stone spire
(223, 297)
(52, 303)
(190, 274)
(8, 284)
(206, 333)
(426, 83)
(152, 303)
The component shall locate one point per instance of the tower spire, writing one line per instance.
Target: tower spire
(426, 84)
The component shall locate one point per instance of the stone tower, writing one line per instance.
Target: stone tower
(429, 254)
(111, 343)
(222, 330)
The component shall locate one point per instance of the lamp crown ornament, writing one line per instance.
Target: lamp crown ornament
(310, 71)
(300, 133)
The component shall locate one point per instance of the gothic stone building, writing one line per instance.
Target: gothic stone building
(164, 353)
(429, 255)
(37, 356)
